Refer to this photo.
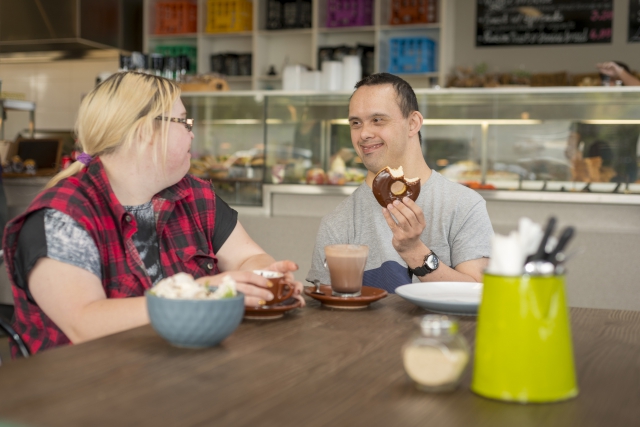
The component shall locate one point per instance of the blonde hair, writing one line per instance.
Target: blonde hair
(121, 112)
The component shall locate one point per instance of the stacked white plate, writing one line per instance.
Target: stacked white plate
(459, 298)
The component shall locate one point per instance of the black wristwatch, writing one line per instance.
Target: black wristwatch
(430, 264)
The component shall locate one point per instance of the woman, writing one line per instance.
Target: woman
(121, 218)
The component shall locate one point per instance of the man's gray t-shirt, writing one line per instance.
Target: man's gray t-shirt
(457, 229)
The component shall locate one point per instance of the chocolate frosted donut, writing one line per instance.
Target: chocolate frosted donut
(384, 180)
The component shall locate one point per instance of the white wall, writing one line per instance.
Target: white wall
(570, 58)
(56, 88)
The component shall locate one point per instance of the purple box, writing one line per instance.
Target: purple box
(349, 13)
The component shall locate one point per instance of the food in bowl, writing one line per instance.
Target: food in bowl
(192, 315)
(183, 286)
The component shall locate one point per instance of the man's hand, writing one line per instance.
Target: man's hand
(407, 226)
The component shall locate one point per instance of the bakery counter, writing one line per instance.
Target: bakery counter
(527, 139)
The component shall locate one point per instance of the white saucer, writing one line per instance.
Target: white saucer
(460, 298)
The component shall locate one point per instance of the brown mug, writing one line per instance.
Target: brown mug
(281, 290)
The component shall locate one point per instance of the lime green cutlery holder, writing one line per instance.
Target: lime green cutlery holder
(523, 349)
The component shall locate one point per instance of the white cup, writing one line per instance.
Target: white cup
(292, 77)
(351, 72)
(332, 76)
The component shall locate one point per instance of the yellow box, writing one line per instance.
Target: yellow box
(226, 16)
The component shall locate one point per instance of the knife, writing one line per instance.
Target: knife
(540, 255)
(566, 235)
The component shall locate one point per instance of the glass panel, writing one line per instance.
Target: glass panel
(228, 146)
(557, 140)
(529, 157)
(345, 166)
(309, 142)
(454, 151)
(604, 153)
(564, 140)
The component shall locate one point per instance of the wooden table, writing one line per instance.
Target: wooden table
(315, 367)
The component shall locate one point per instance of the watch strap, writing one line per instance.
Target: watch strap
(424, 269)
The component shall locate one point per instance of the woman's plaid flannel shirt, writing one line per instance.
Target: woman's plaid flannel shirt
(185, 214)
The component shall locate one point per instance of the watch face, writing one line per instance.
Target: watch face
(432, 262)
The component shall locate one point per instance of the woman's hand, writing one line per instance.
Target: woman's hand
(288, 267)
(253, 286)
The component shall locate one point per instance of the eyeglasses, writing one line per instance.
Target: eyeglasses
(188, 123)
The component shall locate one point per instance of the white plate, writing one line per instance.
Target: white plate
(460, 298)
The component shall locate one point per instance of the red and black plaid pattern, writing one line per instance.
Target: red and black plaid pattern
(185, 215)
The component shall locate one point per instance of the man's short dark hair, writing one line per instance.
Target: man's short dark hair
(407, 100)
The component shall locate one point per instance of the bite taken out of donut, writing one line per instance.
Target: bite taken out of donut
(390, 184)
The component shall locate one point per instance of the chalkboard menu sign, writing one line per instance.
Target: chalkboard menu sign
(543, 22)
(634, 21)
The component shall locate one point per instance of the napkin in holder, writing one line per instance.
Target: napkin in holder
(523, 339)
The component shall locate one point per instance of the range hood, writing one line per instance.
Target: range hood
(70, 25)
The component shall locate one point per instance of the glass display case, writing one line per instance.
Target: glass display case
(228, 147)
(552, 140)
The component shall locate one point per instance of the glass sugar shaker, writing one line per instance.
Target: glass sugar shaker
(435, 358)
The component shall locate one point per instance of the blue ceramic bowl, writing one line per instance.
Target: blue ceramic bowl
(195, 323)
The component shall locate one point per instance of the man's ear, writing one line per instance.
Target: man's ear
(415, 123)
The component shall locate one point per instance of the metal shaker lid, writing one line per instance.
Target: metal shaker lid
(438, 324)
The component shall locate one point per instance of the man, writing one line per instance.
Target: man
(444, 236)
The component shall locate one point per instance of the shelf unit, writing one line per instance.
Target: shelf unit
(300, 46)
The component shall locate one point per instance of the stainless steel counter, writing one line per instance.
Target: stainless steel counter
(273, 191)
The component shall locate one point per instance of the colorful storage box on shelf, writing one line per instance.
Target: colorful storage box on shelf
(411, 55)
(176, 17)
(177, 50)
(283, 14)
(349, 13)
(413, 12)
(224, 16)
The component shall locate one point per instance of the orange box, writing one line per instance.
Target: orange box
(176, 17)
(413, 12)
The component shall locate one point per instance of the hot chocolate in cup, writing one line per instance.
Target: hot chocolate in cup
(281, 290)
(346, 267)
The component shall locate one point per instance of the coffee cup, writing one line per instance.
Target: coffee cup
(281, 290)
(346, 267)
